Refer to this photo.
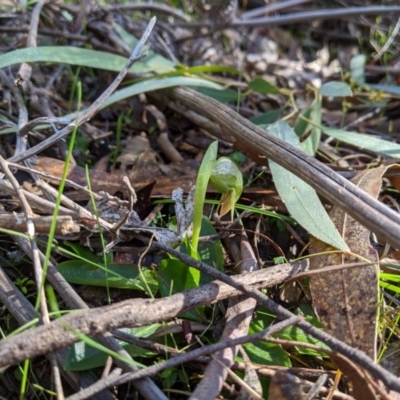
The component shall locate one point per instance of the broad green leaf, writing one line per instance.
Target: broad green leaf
(262, 86)
(85, 253)
(391, 89)
(217, 93)
(266, 118)
(264, 319)
(174, 277)
(264, 353)
(310, 120)
(82, 357)
(156, 84)
(83, 57)
(364, 141)
(120, 276)
(335, 89)
(357, 65)
(300, 198)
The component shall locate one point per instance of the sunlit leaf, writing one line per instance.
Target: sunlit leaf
(262, 86)
(120, 276)
(364, 141)
(300, 198)
(335, 89)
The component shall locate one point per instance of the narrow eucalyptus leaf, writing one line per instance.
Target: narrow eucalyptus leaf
(300, 198)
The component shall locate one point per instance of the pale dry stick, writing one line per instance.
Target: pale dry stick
(37, 269)
(88, 113)
(239, 381)
(238, 318)
(37, 202)
(271, 8)
(355, 355)
(316, 388)
(146, 386)
(173, 362)
(313, 15)
(23, 311)
(299, 17)
(259, 145)
(65, 224)
(128, 313)
(265, 371)
(25, 71)
(56, 179)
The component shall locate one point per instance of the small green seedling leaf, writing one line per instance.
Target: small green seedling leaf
(300, 198)
(227, 179)
(262, 86)
(335, 89)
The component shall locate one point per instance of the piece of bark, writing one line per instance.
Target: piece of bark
(346, 301)
(17, 222)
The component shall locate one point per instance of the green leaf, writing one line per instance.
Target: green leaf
(267, 354)
(310, 120)
(82, 357)
(262, 86)
(357, 65)
(391, 89)
(120, 276)
(335, 89)
(266, 118)
(83, 57)
(174, 277)
(210, 252)
(364, 141)
(300, 198)
(203, 177)
(87, 254)
(156, 84)
(219, 94)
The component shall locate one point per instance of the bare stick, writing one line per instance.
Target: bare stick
(157, 368)
(129, 313)
(37, 268)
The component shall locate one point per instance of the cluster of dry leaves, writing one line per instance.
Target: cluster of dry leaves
(294, 45)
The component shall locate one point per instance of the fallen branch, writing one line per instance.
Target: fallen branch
(131, 313)
(259, 145)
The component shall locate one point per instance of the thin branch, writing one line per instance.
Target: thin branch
(87, 114)
(173, 362)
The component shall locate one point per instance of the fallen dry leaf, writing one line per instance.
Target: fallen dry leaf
(346, 301)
